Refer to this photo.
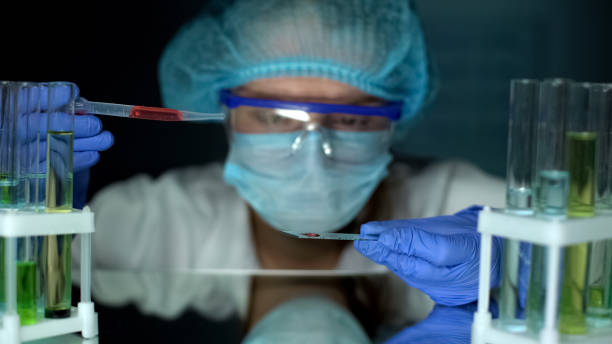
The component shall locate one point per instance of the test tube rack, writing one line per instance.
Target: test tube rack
(555, 234)
(84, 319)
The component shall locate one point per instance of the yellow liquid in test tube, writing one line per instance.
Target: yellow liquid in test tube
(57, 249)
(581, 163)
(581, 203)
(59, 171)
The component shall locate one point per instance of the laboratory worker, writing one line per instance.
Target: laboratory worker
(316, 94)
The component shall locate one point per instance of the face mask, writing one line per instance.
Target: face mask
(306, 191)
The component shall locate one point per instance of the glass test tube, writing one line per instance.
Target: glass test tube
(2, 276)
(581, 140)
(521, 148)
(35, 183)
(20, 113)
(26, 109)
(600, 104)
(29, 292)
(56, 251)
(35, 186)
(37, 179)
(8, 148)
(9, 182)
(519, 198)
(4, 185)
(551, 186)
(599, 298)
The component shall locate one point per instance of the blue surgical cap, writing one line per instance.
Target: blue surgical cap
(374, 45)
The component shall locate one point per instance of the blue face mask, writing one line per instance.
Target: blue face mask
(307, 191)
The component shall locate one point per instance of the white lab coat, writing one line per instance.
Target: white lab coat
(190, 220)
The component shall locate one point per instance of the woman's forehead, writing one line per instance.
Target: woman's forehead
(306, 89)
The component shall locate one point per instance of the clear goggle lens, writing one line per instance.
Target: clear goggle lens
(254, 120)
(342, 138)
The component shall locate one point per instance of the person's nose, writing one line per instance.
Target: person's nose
(317, 119)
(313, 133)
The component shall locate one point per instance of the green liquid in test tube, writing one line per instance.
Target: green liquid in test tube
(599, 310)
(4, 200)
(26, 292)
(7, 190)
(27, 280)
(596, 297)
(536, 295)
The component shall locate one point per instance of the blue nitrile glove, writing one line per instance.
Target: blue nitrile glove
(523, 277)
(443, 325)
(89, 140)
(439, 255)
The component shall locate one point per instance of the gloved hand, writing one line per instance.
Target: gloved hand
(443, 325)
(89, 139)
(439, 255)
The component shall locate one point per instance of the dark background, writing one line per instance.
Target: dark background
(111, 49)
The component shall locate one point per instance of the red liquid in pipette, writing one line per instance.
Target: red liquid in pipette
(311, 235)
(156, 114)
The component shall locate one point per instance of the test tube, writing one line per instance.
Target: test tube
(552, 176)
(551, 186)
(34, 170)
(2, 276)
(56, 251)
(599, 298)
(4, 196)
(521, 148)
(22, 150)
(28, 281)
(8, 187)
(36, 178)
(519, 198)
(581, 141)
(19, 111)
(600, 104)
(8, 147)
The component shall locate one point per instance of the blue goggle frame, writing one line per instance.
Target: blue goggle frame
(392, 110)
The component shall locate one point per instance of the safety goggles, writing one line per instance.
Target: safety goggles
(255, 115)
(295, 121)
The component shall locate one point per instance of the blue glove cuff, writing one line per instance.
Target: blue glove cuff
(473, 307)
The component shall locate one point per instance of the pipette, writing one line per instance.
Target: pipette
(84, 106)
(327, 236)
